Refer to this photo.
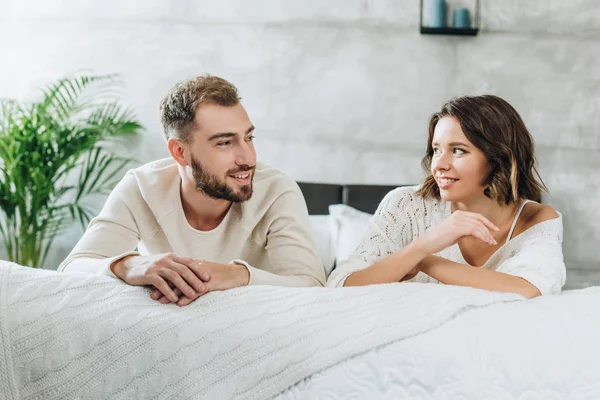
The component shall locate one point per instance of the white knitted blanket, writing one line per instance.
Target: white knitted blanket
(74, 336)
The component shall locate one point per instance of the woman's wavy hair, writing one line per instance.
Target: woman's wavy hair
(495, 128)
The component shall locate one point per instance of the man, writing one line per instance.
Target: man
(207, 218)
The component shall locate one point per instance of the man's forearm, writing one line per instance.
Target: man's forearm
(93, 264)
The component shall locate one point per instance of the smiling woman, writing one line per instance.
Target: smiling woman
(473, 222)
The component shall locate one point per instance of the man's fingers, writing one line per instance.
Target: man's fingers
(160, 284)
(194, 265)
(155, 294)
(184, 301)
(177, 292)
(189, 276)
(174, 278)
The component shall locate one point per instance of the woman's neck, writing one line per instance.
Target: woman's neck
(490, 209)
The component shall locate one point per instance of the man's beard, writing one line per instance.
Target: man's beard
(213, 187)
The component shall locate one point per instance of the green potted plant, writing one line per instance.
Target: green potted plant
(55, 153)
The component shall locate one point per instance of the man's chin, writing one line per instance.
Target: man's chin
(244, 193)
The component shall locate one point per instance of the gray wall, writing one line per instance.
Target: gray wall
(340, 90)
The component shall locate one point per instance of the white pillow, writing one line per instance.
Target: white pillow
(324, 227)
(351, 227)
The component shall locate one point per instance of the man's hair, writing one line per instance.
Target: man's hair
(495, 128)
(178, 107)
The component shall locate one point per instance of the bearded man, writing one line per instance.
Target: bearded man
(209, 217)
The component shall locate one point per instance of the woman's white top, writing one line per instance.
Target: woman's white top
(534, 255)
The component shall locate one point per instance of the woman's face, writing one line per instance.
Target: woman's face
(459, 168)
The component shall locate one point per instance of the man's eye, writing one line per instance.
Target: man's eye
(223, 144)
(250, 138)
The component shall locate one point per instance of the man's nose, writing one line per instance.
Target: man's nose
(246, 155)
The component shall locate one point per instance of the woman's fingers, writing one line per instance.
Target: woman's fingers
(486, 235)
(476, 228)
(487, 222)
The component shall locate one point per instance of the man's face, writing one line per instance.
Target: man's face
(223, 158)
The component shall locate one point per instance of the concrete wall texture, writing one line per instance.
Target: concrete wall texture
(340, 90)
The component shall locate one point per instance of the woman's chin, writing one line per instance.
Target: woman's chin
(448, 195)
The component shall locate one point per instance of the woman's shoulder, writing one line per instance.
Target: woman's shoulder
(534, 213)
(535, 216)
(408, 199)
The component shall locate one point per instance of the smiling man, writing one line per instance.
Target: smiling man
(210, 217)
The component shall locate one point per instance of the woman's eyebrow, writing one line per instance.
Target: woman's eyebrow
(452, 144)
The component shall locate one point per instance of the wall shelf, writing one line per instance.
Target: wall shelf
(449, 31)
(426, 27)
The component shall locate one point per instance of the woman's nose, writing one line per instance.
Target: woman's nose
(442, 162)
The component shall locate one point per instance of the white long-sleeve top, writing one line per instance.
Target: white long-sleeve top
(534, 255)
(269, 233)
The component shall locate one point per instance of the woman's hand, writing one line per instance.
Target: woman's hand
(458, 225)
(411, 274)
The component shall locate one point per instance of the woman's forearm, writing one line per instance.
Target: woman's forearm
(391, 269)
(452, 273)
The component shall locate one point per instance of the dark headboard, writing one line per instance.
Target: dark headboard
(319, 196)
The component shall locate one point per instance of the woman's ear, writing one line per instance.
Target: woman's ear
(492, 183)
(178, 151)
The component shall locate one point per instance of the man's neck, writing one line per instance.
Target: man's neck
(202, 212)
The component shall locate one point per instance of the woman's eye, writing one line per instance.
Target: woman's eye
(436, 151)
(459, 151)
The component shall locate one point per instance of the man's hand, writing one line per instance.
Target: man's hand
(222, 277)
(164, 272)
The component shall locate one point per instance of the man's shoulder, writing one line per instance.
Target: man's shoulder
(153, 177)
(271, 182)
(156, 170)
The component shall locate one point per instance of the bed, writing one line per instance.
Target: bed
(339, 215)
(544, 348)
(72, 336)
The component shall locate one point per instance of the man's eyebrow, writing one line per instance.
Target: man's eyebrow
(224, 135)
(221, 135)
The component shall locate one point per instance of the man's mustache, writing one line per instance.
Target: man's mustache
(241, 169)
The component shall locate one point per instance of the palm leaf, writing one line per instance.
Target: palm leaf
(53, 156)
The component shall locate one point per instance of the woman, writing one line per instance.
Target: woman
(473, 221)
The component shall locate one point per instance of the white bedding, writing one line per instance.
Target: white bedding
(547, 348)
(74, 336)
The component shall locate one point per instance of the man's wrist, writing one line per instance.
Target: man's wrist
(243, 274)
(117, 266)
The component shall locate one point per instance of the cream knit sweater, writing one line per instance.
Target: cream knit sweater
(534, 255)
(270, 232)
